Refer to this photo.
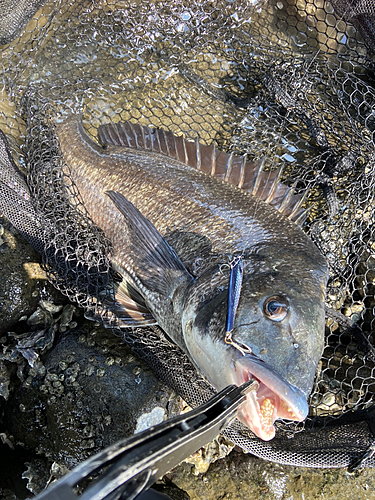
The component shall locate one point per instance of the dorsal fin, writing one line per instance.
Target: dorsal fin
(236, 170)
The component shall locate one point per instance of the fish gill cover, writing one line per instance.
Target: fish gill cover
(290, 81)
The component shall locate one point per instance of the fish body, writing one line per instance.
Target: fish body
(177, 213)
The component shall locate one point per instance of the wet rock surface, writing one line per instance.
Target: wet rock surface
(87, 392)
(23, 281)
(91, 393)
(245, 477)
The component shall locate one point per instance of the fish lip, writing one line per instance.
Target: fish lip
(285, 400)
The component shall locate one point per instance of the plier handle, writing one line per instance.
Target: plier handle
(130, 466)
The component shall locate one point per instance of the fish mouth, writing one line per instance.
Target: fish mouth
(275, 398)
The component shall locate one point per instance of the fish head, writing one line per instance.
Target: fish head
(277, 337)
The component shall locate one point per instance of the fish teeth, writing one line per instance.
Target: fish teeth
(266, 412)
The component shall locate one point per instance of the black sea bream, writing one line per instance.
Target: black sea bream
(177, 213)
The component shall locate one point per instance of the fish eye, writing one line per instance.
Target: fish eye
(276, 308)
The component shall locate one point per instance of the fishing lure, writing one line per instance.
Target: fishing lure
(234, 293)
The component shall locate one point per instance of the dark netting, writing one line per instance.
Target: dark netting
(360, 13)
(75, 250)
(289, 80)
(15, 16)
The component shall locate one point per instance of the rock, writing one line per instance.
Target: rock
(23, 282)
(92, 393)
(4, 380)
(214, 450)
(244, 477)
(36, 475)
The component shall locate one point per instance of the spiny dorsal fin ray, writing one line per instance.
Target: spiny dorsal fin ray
(236, 170)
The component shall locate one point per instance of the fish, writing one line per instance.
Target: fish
(185, 220)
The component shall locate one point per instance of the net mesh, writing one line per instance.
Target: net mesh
(287, 80)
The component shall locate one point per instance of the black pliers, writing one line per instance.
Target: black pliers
(132, 465)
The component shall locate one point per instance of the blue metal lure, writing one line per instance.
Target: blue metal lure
(234, 293)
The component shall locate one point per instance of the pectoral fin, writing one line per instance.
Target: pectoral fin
(152, 266)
